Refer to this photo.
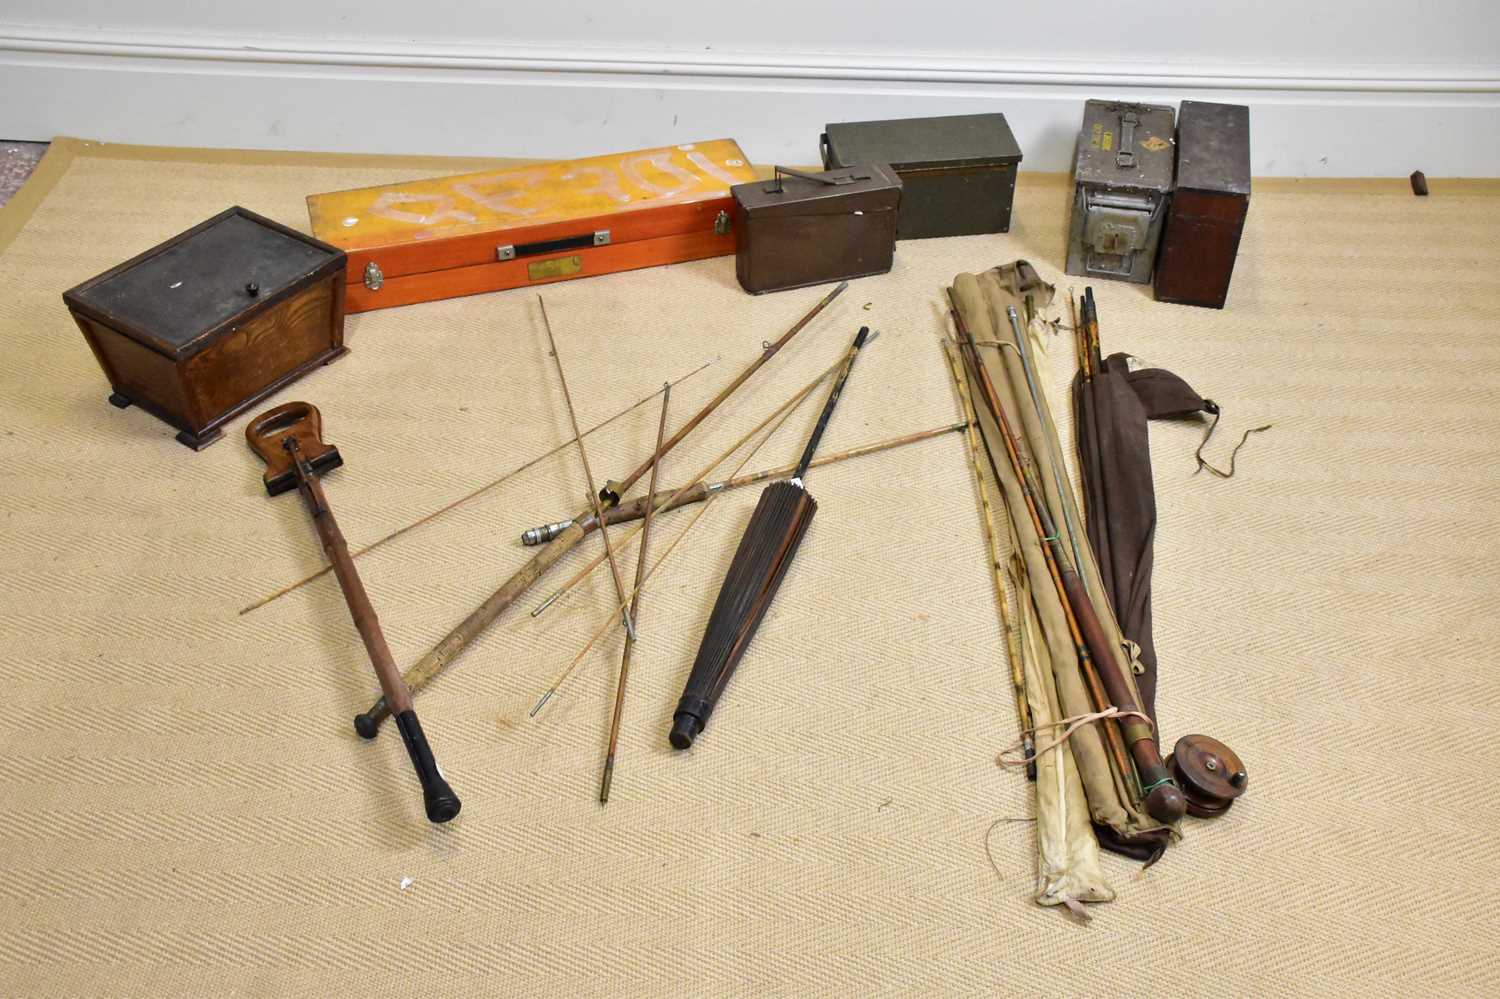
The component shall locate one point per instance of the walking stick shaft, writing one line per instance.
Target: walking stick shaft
(360, 608)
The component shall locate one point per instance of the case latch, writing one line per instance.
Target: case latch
(1115, 227)
(721, 224)
(373, 276)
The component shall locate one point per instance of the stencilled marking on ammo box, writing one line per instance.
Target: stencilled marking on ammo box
(1101, 137)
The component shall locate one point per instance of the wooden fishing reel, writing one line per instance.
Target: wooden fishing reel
(1209, 773)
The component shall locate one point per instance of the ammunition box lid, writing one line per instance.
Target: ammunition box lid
(965, 140)
(175, 296)
(870, 188)
(1213, 147)
(1126, 146)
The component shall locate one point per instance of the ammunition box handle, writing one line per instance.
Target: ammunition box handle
(822, 178)
(1125, 158)
(824, 151)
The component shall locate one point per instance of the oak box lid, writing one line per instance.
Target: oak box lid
(177, 296)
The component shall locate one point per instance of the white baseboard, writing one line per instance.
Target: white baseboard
(542, 101)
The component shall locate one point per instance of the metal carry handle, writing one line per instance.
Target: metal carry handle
(775, 187)
(510, 251)
(1125, 158)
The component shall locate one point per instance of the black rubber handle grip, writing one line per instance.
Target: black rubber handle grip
(368, 724)
(442, 804)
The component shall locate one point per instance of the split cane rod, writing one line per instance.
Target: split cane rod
(1163, 799)
(424, 670)
(1114, 742)
(289, 440)
(671, 499)
(588, 471)
(607, 776)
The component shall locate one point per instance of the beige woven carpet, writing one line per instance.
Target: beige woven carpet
(187, 810)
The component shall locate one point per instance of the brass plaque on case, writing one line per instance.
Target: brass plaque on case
(555, 268)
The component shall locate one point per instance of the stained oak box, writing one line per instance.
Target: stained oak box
(1202, 234)
(442, 237)
(1122, 175)
(214, 319)
(811, 228)
(958, 171)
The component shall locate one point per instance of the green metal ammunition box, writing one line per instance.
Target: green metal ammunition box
(958, 173)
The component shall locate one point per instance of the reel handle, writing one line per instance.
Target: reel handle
(269, 433)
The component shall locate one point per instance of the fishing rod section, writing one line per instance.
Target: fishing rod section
(441, 656)
(1163, 800)
(1114, 401)
(671, 499)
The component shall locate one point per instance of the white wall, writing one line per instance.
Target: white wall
(1342, 88)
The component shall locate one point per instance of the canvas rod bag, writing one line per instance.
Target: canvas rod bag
(1068, 869)
(983, 299)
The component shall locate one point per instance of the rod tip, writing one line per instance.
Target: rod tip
(538, 706)
(606, 780)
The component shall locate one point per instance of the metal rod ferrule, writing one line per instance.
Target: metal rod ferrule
(533, 536)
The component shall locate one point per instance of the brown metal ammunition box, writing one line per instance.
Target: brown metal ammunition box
(1123, 177)
(811, 228)
(213, 320)
(958, 171)
(1202, 234)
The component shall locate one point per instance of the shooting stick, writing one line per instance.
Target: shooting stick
(289, 440)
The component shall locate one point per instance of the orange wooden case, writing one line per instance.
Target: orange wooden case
(450, 236)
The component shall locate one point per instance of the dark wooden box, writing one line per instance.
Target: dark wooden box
(214, 319)
(958, 171)
(811, 228)
(1202, 234)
